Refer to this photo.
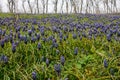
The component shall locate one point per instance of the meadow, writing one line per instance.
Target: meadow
(60, 47)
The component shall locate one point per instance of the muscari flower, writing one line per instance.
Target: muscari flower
(33, 28)
(109, 37)
(105, 63)
(76, 51)
(3, 33)
(65, 37)
(57, 68)
(83, 34)
(42, 32)
(57, 51)
(60, 35)
(62, 60)
(21, 38)
(118, 34)
(54, 29)
(34, 75)
(80, 37)
(38, 36)
(65, 28)
(111, 71)
(71, 29)
(39, 46)
(47, 62)
(29, 32)
(51, 37)
(44, 39)
(60, 40)
(33, 39)
(43, 58)
(11, 32)
(6, 38)
(18, 34)
(2, 43)
(18, 28)
(55, 45)
(25, 40)
(0, 32)
(11, 38)
(24, 29)
(74, 36)
(13, 47)
(4, 58)
(16, 43)
(54, 40)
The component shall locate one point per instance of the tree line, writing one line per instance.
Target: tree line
(65, 6)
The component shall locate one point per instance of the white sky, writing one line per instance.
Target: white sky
(3, 3)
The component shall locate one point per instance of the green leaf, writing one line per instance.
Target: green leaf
(6, 77)
(101, 53)
(78, 66)
(93, 49)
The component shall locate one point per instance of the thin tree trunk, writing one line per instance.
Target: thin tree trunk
(74, 5)
(61, 9)
(92, 7)
(67, 6)
(71, 1)
(37, 3)
(81, 6)
(24, 6)
(30, 7)
(11, 6)
(87, 6)
(115, 6)
(43, 4)
(47, 6)
(56, 3)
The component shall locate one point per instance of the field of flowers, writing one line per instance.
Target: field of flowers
(60, 47)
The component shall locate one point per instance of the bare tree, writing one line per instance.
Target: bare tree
(37, 4)
(43, 5)
(23, 5)
(71, 2)
(115, 6)
(74, 5)
(55, 3)
(111, 5)
(61, 9)
(97, 6)
(16, 6)
(91, 6)
(11, 5)
(67, 6)
(87, 3)
(46, 6)
(30, 6)
(77, 3)
(106, 6)
(81, 5)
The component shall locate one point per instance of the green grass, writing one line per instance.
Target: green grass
(87, 65)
